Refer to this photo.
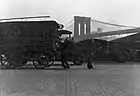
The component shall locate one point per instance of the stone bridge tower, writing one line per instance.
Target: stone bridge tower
(81, 27)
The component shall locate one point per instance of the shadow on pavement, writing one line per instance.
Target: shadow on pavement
(49, 68)
(31, 67)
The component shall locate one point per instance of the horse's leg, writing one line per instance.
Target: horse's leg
(88, 60)
(66, 57)
(63, 61)
(89, 63)
(63, 64)
(66, 62)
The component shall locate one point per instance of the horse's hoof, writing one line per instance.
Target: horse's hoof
(64, 66)
(90, 67)
(68, 66)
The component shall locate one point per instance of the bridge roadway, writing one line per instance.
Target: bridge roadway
(107, 79)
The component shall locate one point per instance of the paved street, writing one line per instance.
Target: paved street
(104, 80)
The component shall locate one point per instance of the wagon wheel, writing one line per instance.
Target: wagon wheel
(5, 62)
(50, 60)
(37, 64)
(44, 60)
(9, 63)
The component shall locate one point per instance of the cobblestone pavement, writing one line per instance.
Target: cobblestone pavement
(105, 80)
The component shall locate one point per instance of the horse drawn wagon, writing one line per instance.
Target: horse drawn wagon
(36, 41)
(23, 41)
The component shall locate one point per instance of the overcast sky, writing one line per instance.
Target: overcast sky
(125, 12)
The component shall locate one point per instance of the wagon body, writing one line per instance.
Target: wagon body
(25, 40)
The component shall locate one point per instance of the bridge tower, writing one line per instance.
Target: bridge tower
(81, 27)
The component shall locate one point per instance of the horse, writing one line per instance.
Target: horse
(71, 48)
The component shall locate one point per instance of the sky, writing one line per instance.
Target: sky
(126, 12)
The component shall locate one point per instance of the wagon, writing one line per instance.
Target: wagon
(23, 41)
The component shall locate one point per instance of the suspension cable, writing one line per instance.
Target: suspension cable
(113, 24)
